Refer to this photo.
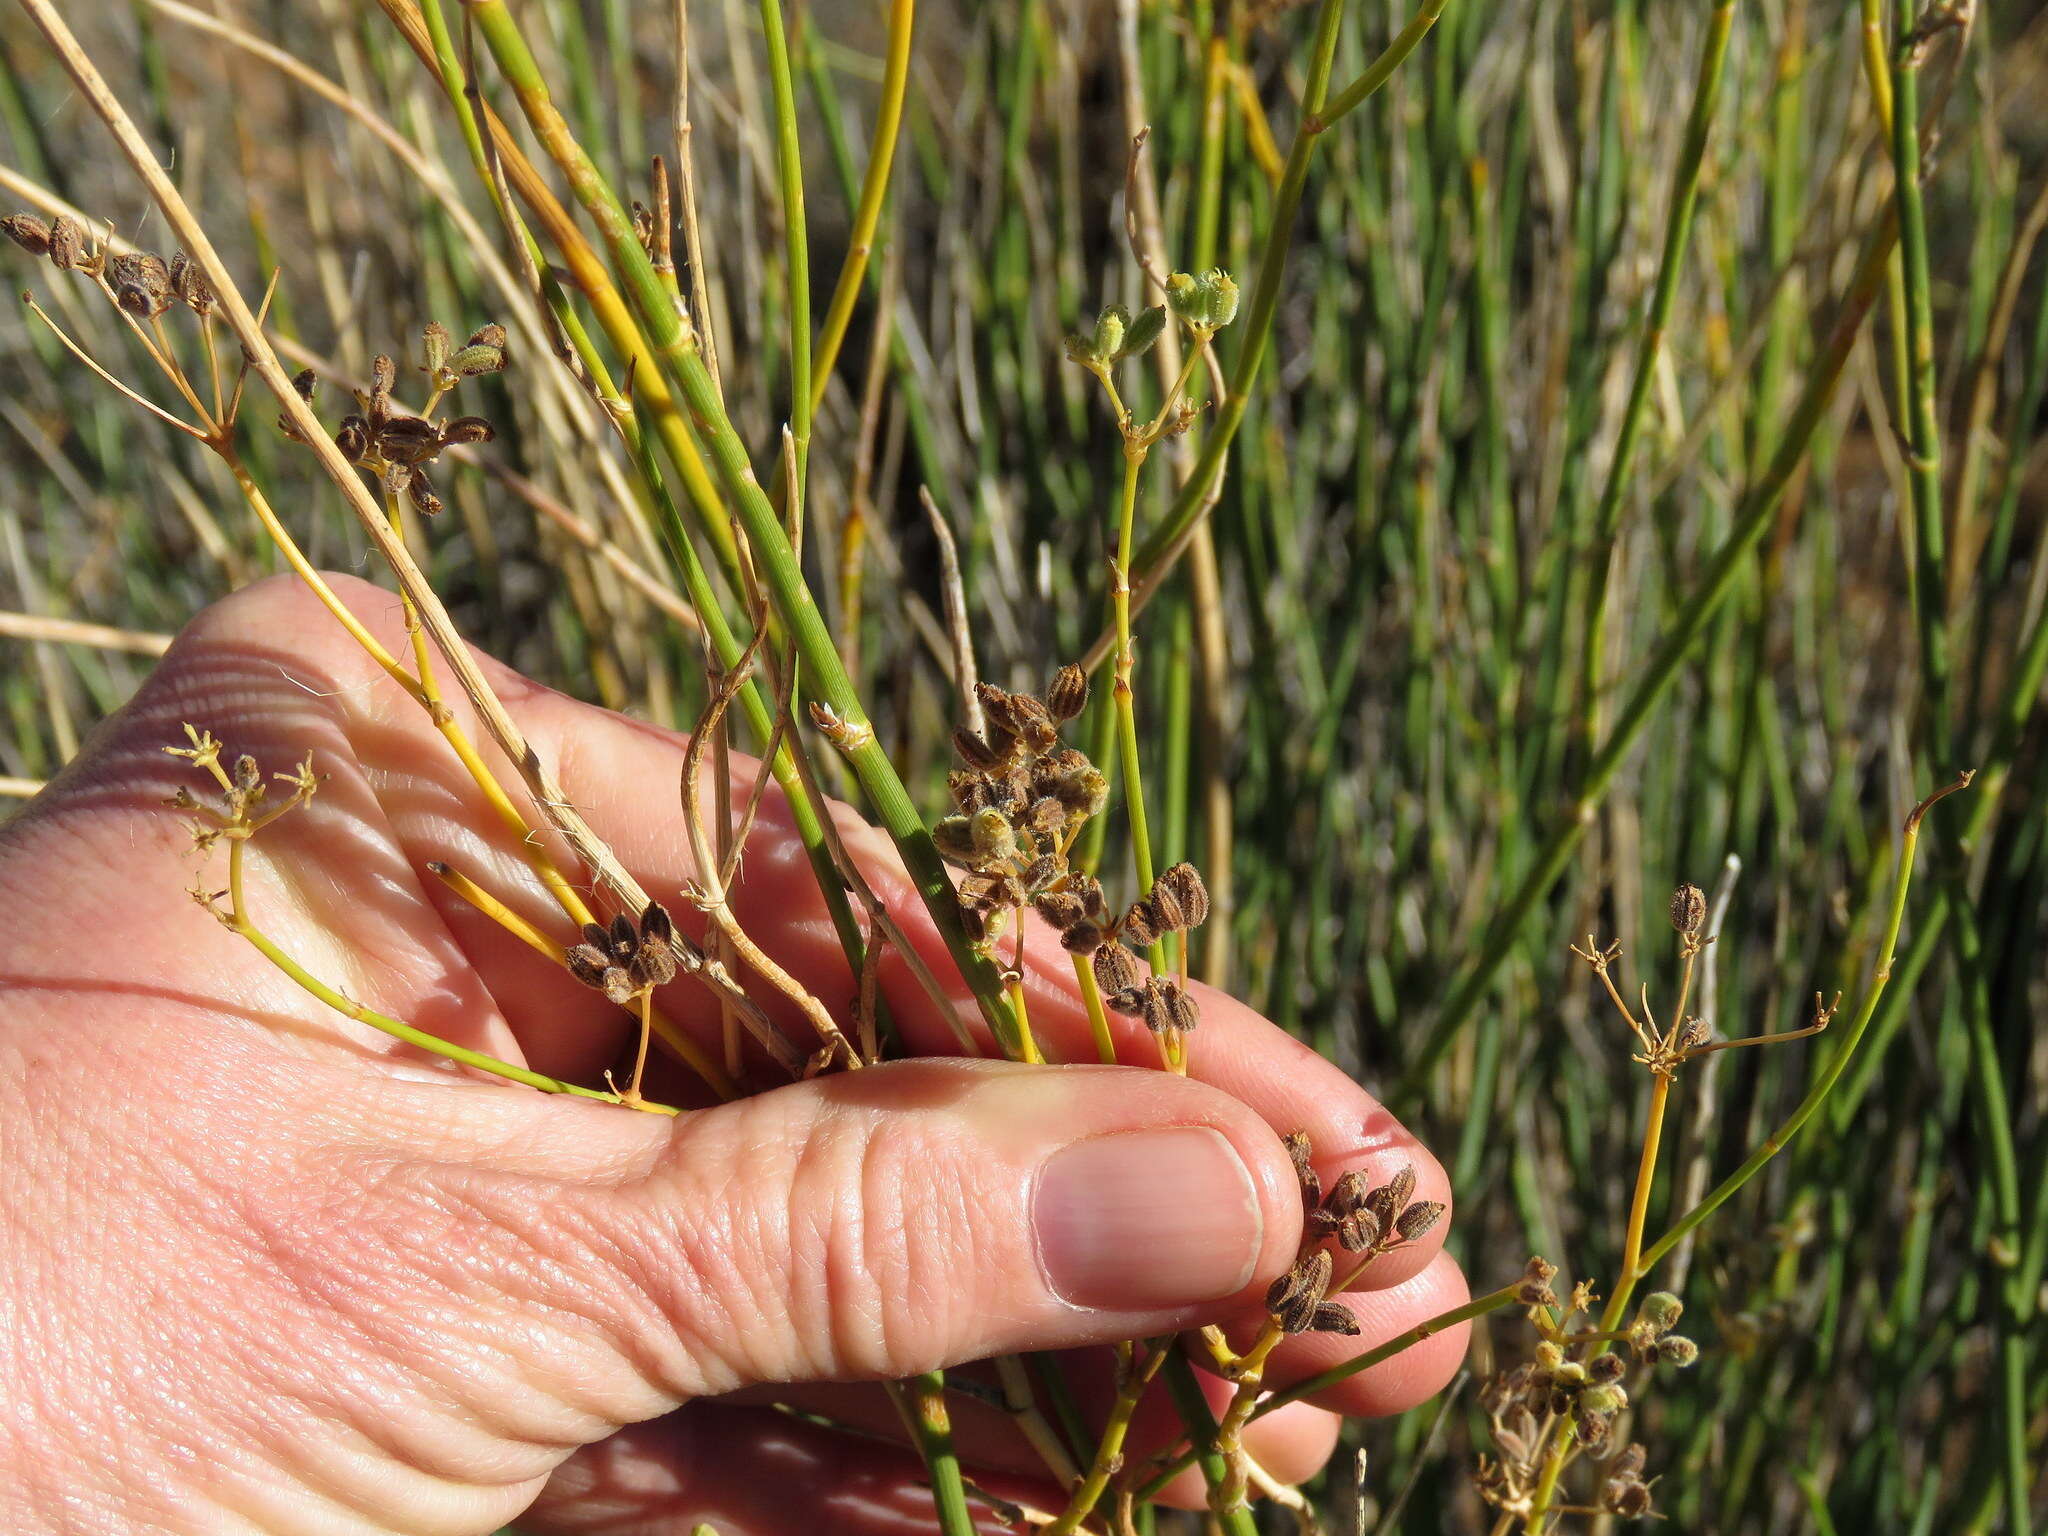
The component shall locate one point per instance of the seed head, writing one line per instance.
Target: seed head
(1083, 938)
(1359, 1231)
(1347, 1195)
(141, 283)
(1660, 1310)
(1332, 1318)
(467, 429)
(1688, 909)
(68, 245)
(435, 345)
(1675, 1349)
(1625, 1497)
(1297, 1145)
(1116, 968)
(1129, 1001)
(352, 437)
(419, 490)
(191, 286)
(1062, 909)
(28, 232)
(995, 840)
(1140, 925)
(1418, 1219)
(1067, 695)
(1185, 882)
(408, 440)
(975, 751)
(1292, 1300)
(1165, 909)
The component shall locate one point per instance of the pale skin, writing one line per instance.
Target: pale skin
(265, 1270)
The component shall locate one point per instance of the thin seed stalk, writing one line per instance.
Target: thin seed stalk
(243, 927)
(932, 1427)
(1632, 1274)
(1137, 1376)
(1318, 111)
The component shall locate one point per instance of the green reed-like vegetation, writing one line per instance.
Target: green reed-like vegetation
(1619, 481)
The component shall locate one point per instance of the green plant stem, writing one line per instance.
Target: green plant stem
(932, 1426)
(1632, 1274)
(1201, 1425)
(1109, 1450)
(1671, 264)
(874, 191)
(1098, 1017)
(789, 170)
(1194, 498)
(239, 922)
(1830, 1074)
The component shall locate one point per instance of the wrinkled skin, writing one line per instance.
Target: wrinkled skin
(264, 1269)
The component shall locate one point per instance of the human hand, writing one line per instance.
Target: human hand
(267, 1270)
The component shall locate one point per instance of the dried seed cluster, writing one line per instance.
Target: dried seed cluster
(1296, 1300)
(396, 445)
(1526, 1404)
(627, 958)
(1366, 1220)
(1020, 799)
(142, 283)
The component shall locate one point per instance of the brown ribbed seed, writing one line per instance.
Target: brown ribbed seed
(1139, 926)
(1165, 907)
(191, 286)
(419, 490)
(1083, 938)
(1062, 909)
(408, 440)
(1129, 1001)
(657, 958)
(28, 232)
(1292, 1300)
(1688, 909)
(1297, 1145)
(1182, 1012)
(141, 283)
(1358, 1232)
(1186, 883)
(467, 429)
(68, 245)
(1418, 1219)
(1067, 695)
(975, 750)
(1331, 1318)
(352, 437)
(1347, 1194)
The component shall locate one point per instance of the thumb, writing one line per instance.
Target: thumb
(911, 1216)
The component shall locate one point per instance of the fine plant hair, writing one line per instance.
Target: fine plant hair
(1346, 503)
